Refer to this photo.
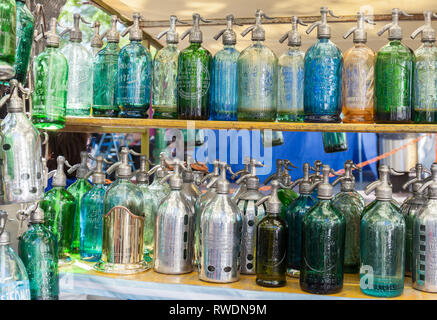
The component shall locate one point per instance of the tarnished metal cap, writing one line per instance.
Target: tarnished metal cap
(59, 176)
(325, 189)
(142, 175)
(135, 32)
(37, 216)
(360, 34)
(304, 182)
(323, 28)
(428, 33)
(124, 170)
(194, 32)
(160, 170)
(382, 187)
(16, 104)
(53, 38)
(172, 35)
(99, 176)
(222, 184)
(431, 183)
(417, 181)
(294, 39)
(82, 167)
(75, 33)
(394, 30)
(258, 33)
(228, 35)
(175, 179)
(347, 179)
(112, 35)
(96, 41)
(273, 205)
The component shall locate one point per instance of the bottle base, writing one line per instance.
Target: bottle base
(358, 118)
(47, 124)
(329, 118)
(78, 111)
(321, 289)
(184, 117)
(425, 117)
(134, 112)
(120, 268)
(165, 114)
(336, 149)
(387, 288)
(271, 283)
(104, 112)
(286, 117)
(351, 269)
(256, 116)
(224, 117)
(293, 273)
(389, 118)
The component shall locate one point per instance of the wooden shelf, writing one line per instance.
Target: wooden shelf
(124, 125)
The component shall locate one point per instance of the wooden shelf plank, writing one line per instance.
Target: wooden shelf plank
(101, 125)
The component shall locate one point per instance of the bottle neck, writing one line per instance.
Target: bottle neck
(323, 40)
(294, 48)
(195, 45)
(428, 44)
(228, 46)
(395, 42)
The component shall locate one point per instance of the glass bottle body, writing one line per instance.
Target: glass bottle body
(351, 208)
(286, 196)
(7, 38)
(290, 85)
(159, 191)
(257, 81)
(382, 245)
(393, 83)
(193, 83)
(24, 38)
(38, 249)
(59, 207)
(50, 70)
(334, 141)
(80, 69)
(149, 221)
(425, 84)
(14, 282)
(105, 81)
(165, 90)
(91, 223)
(323, 237)
(124, 193)
(322, 84)
(358, 84)
(224, 86)
(134, 79)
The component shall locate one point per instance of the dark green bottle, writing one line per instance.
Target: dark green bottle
(7, 38)
(193, 82)
(24, 39)
(323, 238)
(271, 243)
(334, 141)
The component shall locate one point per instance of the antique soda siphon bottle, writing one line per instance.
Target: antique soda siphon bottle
(271, 243)
(91, 215)
(242, 187)
(220, 235)
(159, 190)
(134, 75)
(393, 75)
(194, 76)
(13, 275)
(96, 41)
(294, 214)
(323, 237)
(165, 71)
(382, 242)
(424, 232)
(251, 215)
(224, 75)
(7, 39)
(334, 142)
(358, 76)
(286, 195)
(291, 76)
(123, 222)
(50, 70)
(105, 74)
(410, 208)
(21, 170)
(59, 207)
(425, 74)
(351, 205)
(323, 65)
(257, 76)
(38, 249)
(80, 69)
(173, 254)
(24, 39)
(78, 190)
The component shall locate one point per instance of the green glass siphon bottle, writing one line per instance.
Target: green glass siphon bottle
(38, 249)
(24, 39)
(7, 38)
(194, 76)
(59, 207)
(393, 76)
(50, 70)
(382, 242)
(323, 238)
(334, 141)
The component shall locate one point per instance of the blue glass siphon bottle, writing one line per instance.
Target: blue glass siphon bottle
(323, 67)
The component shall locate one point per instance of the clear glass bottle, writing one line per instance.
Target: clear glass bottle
(291, 77)
(257, 77)
(134, 75)
(91, 215)
(38, 249)
(425, 74)
(323, 65)
(394, 76)
(105, 75)
(7, 38)
(165, 71)
(358, 76)
(382, 242)
(224, 76)
(80, 68)
(50, 70)
(24, 39)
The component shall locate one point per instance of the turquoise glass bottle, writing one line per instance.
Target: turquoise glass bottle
(7, 39)
(382, 242)
(394, 76)
(38, 249)
(194, 76)
(291, 77)
(134, 75)
(50, 70)
(24, 38)
(323, 238)
(105, 67)
(334, 141)
(59, 207)
(91, 215)
(224, 76)
(257, 77)
(425, 74)
(323, 67)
